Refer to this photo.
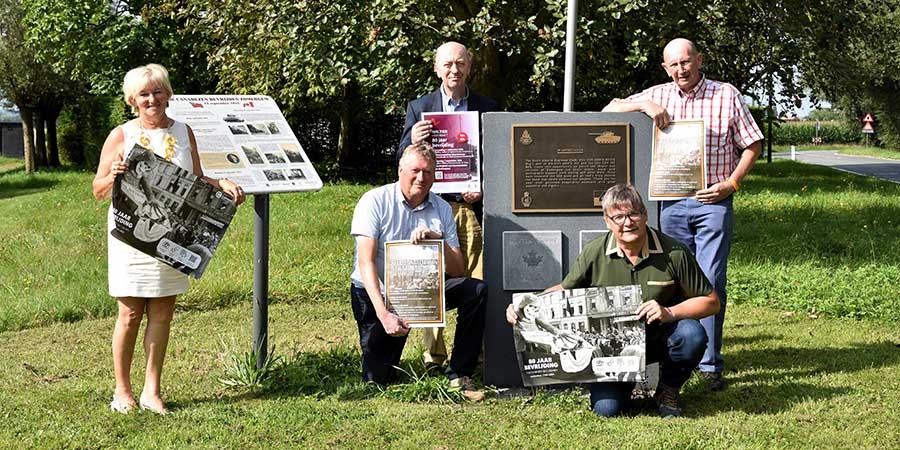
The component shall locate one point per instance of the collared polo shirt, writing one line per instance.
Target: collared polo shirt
(730, 127)
(384, 215)
(666, 269)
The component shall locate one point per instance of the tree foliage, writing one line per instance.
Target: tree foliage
(94, 44)
(853, 63)
(37, 89)
(351, 61)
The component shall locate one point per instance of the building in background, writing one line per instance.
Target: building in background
(11, 140)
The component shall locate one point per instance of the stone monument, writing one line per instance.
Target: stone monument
(544, 174)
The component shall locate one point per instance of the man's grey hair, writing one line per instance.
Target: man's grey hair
(623, 196)
(420, 149)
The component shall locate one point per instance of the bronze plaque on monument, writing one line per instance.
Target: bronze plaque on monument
(567, 167)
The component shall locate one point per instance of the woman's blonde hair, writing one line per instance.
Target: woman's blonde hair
(141, 77)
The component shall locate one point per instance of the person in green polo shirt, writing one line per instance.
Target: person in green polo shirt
(676, 294)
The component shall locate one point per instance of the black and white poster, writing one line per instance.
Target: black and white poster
(580, 336)
(169, 213)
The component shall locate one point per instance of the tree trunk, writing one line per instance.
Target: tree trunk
(491, 79)
(52, 144)
(347, 138)
(51, 107)
(40, 140)
(28, 138)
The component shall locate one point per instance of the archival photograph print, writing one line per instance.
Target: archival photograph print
(252, 154)
(455, 140)
(678, 164)
(580, 336)
(414, 281)
(168, 213)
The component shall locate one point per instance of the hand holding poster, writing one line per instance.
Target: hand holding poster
(169, 213)
(414, 281)
(580, 336)
(456, 142)
(678, 166)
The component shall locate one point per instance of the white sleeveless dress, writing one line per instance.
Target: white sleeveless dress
(133, 273)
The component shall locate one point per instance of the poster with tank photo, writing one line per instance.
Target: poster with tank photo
(455, 140)
(169, 213)
(580, 336)
(678, 164)
(414, 281)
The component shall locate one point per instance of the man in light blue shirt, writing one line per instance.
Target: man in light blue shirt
(408, 210)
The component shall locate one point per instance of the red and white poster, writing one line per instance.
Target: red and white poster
(455, 139)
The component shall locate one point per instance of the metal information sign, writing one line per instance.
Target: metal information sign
(246, 139)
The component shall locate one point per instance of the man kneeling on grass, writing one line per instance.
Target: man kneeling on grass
(677, 293)
(407, 210)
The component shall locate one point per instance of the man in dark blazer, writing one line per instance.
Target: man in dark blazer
(452, 64)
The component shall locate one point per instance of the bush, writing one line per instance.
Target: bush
(372, 159)
(84, 125)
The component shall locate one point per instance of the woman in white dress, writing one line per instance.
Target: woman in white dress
(140, 283)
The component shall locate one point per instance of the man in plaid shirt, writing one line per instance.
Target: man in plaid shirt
(733, 143)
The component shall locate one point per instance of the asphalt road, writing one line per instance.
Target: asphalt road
(886, 169)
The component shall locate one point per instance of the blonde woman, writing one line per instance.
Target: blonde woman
(140, 283)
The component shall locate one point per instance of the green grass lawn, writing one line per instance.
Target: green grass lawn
(10, 164)
(812, 349)
(795, 382)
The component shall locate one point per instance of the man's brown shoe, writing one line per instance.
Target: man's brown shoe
(467, 387)
(714, 380)
(668, 400)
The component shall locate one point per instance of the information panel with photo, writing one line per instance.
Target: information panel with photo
(580, 336)
(678, 165)
(414, 281)
(247, 140)
(456, 142)
(169, 213)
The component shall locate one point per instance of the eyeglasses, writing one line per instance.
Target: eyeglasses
(619, 219)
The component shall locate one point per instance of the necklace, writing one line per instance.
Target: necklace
(168, 142)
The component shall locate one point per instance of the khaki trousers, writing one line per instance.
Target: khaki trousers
(471, 242)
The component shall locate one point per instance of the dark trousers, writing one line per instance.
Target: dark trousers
(381, 352)
(677, 346)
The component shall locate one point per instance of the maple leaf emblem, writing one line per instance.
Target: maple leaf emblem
(532, 259)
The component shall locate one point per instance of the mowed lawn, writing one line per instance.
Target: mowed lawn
(813, 352)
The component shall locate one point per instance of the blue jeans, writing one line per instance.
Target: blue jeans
(381, 352)
(706, 230)
(677, 346)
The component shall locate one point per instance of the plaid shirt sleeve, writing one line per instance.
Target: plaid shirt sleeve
(746, 132)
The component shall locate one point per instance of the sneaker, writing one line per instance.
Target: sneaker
(668, 400)
(714, 381)
(467, 387)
